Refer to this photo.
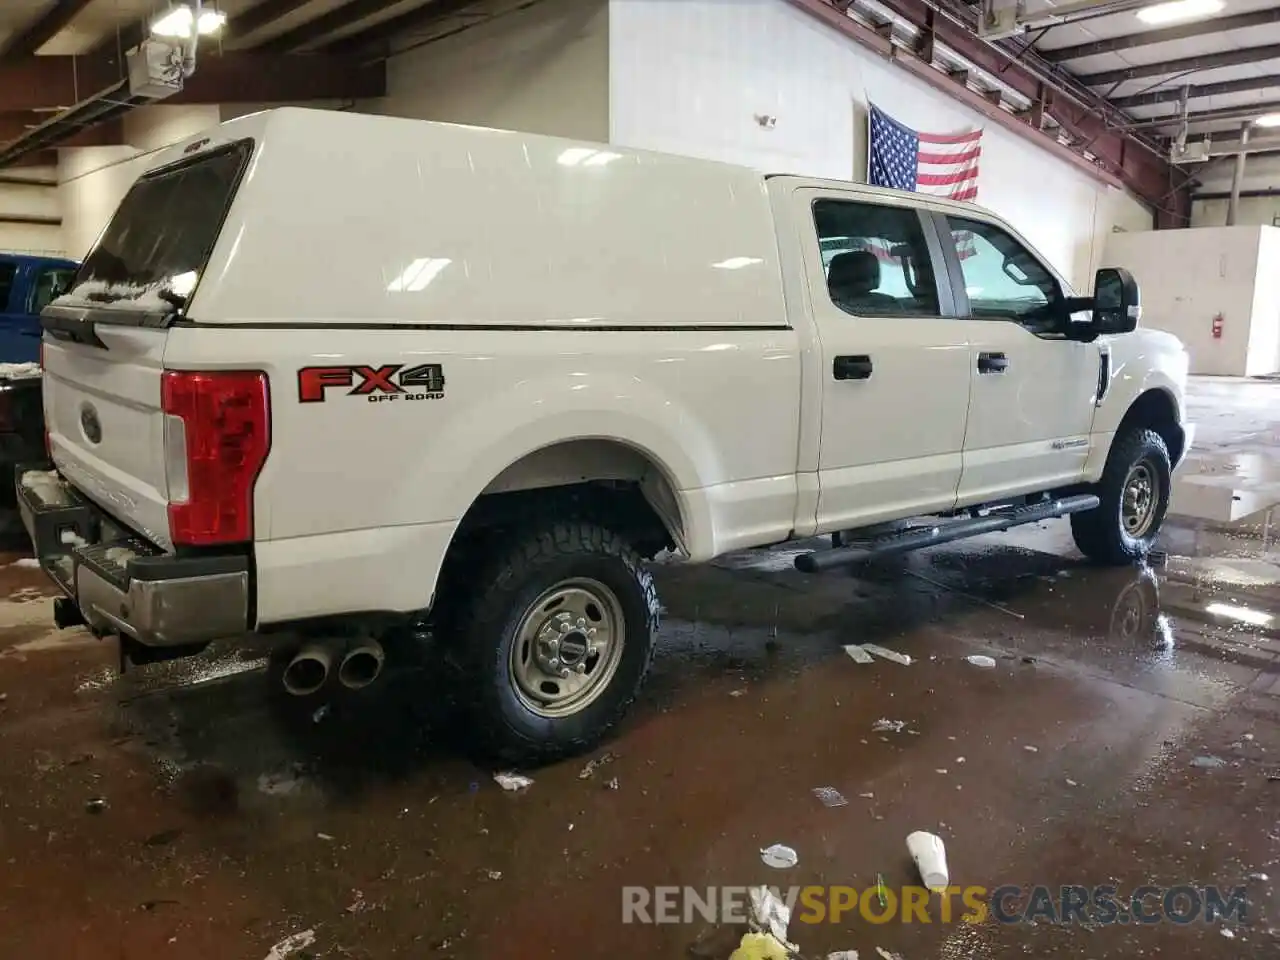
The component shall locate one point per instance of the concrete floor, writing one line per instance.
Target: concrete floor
(189, 811)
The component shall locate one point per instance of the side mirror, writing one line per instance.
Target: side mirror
(1117, 304)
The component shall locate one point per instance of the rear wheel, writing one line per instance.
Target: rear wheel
(1134, 491)
(556, 644)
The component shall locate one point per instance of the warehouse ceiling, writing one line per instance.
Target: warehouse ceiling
(1095, 76)
(62, 61)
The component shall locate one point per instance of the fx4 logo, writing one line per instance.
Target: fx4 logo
(390, 381)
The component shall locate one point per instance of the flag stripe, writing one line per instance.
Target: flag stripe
(965, 157)
(973, 136)
(945, 179)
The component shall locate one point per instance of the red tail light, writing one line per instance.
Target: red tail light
(221, 444)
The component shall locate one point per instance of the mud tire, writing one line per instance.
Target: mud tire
(535, 560)
(1100, 533)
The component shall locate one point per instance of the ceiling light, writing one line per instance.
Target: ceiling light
(1269, 120)
(176, 23)
(1179, 10)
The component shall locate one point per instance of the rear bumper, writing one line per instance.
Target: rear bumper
(123, 584)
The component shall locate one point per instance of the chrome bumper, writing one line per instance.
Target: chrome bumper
(123, 584)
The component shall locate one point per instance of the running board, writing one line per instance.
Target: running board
(931, 536)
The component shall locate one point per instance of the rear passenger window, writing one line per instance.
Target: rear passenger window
(876, 259)
(8, 270)
(51, 283)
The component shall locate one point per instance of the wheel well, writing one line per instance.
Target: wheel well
(1155, 410)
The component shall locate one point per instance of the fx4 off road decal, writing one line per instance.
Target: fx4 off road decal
(392, 381)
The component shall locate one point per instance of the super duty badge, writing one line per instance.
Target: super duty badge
(392, 381)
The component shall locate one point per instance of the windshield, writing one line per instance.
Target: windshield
(153, 250)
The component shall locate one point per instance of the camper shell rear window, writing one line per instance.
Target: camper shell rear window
(152, 253)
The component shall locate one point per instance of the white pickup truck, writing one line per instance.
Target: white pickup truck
(333, 377)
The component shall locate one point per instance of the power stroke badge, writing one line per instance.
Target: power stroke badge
(391, 381)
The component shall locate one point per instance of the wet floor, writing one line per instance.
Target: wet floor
(1129, 734)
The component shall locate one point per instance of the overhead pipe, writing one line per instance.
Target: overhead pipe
(1237, 178)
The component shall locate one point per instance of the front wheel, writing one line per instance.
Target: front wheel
(557, 641)
(1134, 491)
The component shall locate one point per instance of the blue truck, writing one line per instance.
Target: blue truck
(27, 284)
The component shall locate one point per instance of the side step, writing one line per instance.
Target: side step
(930, 536)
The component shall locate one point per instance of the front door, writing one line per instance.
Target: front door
(1034, 389)
(894, 360)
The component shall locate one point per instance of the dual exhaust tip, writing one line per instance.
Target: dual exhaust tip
(358, 665)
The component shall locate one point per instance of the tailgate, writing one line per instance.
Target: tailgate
(106, 430)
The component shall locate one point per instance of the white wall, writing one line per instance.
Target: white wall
(544, 69)
(34, 201)
(1189, 276)
(1258, 211)
(690, 76)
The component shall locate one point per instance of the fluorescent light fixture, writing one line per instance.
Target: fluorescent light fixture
(418, 274)
(1268, 120)
(1179, 10)
(737, 263)
(1255, 618)
(176, 23)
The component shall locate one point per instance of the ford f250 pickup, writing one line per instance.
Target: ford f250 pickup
(331, 378)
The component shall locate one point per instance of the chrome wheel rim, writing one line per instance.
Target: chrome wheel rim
(1140, 499)
(567, 648)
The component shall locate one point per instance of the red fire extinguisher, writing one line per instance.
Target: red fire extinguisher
(1217, 327)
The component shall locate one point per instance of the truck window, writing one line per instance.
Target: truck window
(51, 283)
(876, 259)
(1003, 279)
(8, 270)
(164, 230)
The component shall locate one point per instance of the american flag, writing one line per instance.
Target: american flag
(937, 164)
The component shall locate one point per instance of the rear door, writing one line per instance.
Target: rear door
(105, 339)
(895, 362)
(12, 283)
(1034, 389)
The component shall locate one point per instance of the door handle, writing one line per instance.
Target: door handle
(992, 363)
(856, 367)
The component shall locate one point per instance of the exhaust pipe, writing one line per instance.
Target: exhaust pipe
(308, 671)
(361, 665)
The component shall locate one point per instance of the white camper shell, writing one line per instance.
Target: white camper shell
(319, 363)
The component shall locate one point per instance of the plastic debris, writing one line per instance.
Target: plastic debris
(96, 805)
(512, 781)
(760, 946)
(1030, 749)
(940, 770)
(1248, 736)
(981, 660)
(323, 836)
(888, 654)
(612, 784)
(888, 726)
(830, 796)
(930, 858)
(738, 693)
(1228, 933)
(292, 944)
(1071, 783)
(494, 874)
(769, 914)
(843, 955)
(867, 796)
(779, 857)
(886, 955)
(1207, 762)
(593, 765)
(859, 655)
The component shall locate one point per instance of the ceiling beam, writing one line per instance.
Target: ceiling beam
(37, 83)
(48, 25)
(17, 124)
(1174, 94)
(1184, 31)
(324, 25)
(31, 219)
(1123, 161)
(261, 15)
(1208, 61)
(416, 18)
(1247, 112)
